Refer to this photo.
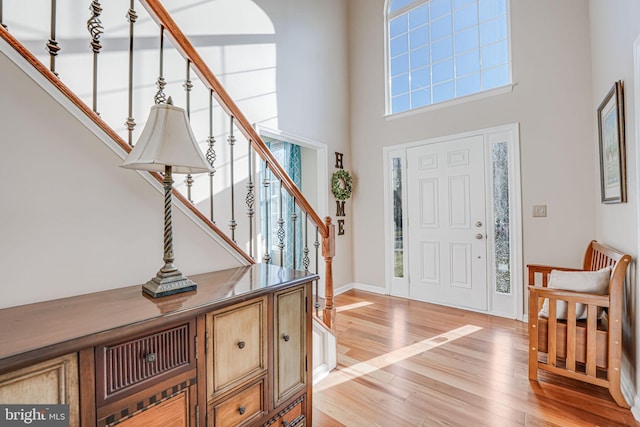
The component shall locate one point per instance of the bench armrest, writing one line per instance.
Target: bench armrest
(569, 296)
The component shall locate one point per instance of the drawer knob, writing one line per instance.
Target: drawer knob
(285, 337)
(150, 357)
(285, 423)
(242, 410)
(241, 344)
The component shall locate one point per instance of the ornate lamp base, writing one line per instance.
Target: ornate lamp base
(168, 284)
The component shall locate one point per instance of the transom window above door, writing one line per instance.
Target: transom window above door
(439, 50)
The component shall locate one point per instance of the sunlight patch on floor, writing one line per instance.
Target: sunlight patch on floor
(353, 306)
(343, 375)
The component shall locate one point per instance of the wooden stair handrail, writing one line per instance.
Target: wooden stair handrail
(67, 92)
(162, 17)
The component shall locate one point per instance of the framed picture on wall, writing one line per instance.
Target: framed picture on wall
(613, 182)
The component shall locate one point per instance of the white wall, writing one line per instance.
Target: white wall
(72, 221)
(552, 101)
(614, 28)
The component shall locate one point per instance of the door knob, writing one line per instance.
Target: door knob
(479, 236)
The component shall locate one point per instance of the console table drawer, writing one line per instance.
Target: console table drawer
(241, 408)
(123, 368)
(237, 345)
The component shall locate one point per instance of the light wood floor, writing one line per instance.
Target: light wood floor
(407, 363)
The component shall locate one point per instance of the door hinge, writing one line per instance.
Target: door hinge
(306, 303)
(306, 367)
(206, 342)
(197, 415)
(195, 346)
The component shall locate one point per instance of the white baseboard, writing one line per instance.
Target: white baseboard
(360, 287)
(371, 288)
(342, 289)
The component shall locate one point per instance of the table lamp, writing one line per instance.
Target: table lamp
(167, 145)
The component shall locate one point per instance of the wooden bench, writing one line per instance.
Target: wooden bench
(588, 350)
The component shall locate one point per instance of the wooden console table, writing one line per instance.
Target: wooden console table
(235, 352)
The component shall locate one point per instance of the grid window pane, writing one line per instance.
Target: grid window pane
(466, 40)
(400, 85)
(465, 18)
(468, 63)
(442, 71)
(400, 65)
(441, 28)
(439, 8)
(419, 16)
(495, 77)
(495, 54)
(398, 26)
(400, 103)
(399, 45)
(419, 37)
(468, 84)
(421, 79)
(490, 9)
(441, 49)
(443, 91)
(420, 58)
(420, 98)
(493, 31)
(459, 4)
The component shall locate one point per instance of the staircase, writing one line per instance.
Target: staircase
(235, 203)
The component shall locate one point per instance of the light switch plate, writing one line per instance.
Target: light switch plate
(539, 211)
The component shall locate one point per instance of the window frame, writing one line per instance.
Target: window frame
(388, 16)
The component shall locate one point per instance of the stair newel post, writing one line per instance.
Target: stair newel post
(94, 25)
(316, 244)
(232, 142)
(188, 85)
(211, 154)
(328, 252)
(52, 44)
(250, 199)
(266, 183)
(281, 233)
(130, 123)
(160, 97)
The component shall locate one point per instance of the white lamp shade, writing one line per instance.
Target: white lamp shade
(167, 140)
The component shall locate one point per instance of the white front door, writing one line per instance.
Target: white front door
(447, 231)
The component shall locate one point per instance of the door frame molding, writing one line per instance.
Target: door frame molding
(322, 168)
(400, 286)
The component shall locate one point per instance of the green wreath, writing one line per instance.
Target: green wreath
(341, 184)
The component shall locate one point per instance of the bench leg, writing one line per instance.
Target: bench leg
(615, 390)
(533, 337)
